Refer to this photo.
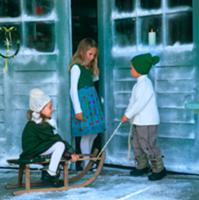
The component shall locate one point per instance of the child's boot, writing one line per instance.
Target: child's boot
(158, 170)
(52, 181)
(142, 166)
(43, 172)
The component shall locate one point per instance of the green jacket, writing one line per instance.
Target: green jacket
(37, 138)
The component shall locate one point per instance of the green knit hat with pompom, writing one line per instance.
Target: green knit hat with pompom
(143, 62)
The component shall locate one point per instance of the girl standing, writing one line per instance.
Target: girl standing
(87, 116)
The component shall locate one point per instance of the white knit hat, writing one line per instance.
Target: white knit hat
(38, 99)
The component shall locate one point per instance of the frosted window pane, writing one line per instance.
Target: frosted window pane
(125, 6)
(15, 36)
(175, 3)
(125, 32)
(39, 7)
(180, 28)
(40, 36)
(150, 4)
(148, 24)
(9, 8)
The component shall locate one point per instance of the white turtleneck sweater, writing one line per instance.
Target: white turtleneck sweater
(142, 108)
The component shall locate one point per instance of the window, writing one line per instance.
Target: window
(148, 24)
(10, 8)
(171, 20)
(40, 36)
(125, 6)
(152, 4)
(35, 24)
(178, 3)
(179, 28)
(125, 32)
(38, 7)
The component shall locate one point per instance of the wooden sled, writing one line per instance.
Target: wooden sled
(68, 182)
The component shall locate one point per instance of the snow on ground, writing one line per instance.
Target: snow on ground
(114, 184)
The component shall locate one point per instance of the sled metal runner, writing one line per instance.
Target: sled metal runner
(68, 182)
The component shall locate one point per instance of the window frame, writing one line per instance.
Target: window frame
(23, 19)
(163, 12)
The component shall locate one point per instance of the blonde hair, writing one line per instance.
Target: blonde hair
(29, 116)
(79, 56)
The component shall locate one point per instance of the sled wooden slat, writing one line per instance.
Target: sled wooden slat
(65, 174)
(68, 182)
(27, 182)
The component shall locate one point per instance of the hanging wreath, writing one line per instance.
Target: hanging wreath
(9, 43)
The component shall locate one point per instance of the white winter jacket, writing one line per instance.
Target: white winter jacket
(142, 108)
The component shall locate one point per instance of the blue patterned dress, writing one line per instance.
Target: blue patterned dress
(93, 121)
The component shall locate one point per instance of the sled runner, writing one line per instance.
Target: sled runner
(68, 181)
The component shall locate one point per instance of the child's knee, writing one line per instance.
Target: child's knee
(60, 146)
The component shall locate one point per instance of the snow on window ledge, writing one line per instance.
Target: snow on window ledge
(128, 51)
(28, 51)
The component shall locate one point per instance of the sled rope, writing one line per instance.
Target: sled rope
(106, 144)
(129, 142)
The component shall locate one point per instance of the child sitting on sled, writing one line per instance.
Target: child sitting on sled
(39, 137)
(143, 115)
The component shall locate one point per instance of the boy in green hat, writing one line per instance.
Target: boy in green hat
(143, 115)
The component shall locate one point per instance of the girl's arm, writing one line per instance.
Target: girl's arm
(75, 74)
